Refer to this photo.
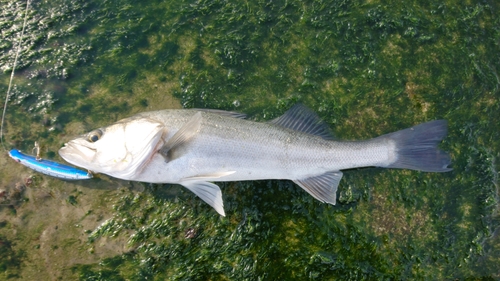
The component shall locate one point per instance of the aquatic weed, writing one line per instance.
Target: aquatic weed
(366, 68)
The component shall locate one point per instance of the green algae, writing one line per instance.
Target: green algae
(367, 68)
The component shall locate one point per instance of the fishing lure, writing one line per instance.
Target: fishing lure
(48, 167)
(38, 164)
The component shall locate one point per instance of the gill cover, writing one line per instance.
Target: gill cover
(119, 150)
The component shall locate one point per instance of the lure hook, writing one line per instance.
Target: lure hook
(36, 163)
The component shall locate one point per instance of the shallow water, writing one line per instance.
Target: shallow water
(366, 68)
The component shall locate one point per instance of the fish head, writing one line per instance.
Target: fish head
(120, 150)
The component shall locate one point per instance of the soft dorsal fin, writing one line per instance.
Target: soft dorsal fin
(223, 112)
(301, 118)
(184, 134)
(322, 187)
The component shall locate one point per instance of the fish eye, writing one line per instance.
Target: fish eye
(94, 135)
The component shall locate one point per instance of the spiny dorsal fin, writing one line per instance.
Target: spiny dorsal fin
(301, 118)
(223, 112)
(322, 187)
(208, 192)
(184, 134)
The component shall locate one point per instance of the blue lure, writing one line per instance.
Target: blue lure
(38, 164)
(48, 167)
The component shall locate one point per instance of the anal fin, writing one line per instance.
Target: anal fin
(208, 192)
(322, 187)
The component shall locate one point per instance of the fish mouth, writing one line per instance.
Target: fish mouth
(77, 153)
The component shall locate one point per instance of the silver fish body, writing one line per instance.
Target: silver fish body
(197, 147)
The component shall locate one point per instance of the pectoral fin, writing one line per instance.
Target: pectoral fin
(322, 187)
(208, 192)
(183, 135)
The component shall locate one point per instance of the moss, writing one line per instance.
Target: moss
(367, 68)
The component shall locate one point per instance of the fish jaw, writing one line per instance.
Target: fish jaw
(122, 151)
(78, 152)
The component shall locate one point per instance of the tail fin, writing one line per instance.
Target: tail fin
(416, 147)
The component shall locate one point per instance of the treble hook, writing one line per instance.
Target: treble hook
(37, 149)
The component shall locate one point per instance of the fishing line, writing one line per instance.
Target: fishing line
(46, 167)
(13, 70)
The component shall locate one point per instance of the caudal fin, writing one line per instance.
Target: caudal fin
(416, 147)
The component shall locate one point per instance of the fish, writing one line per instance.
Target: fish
(197, 147)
